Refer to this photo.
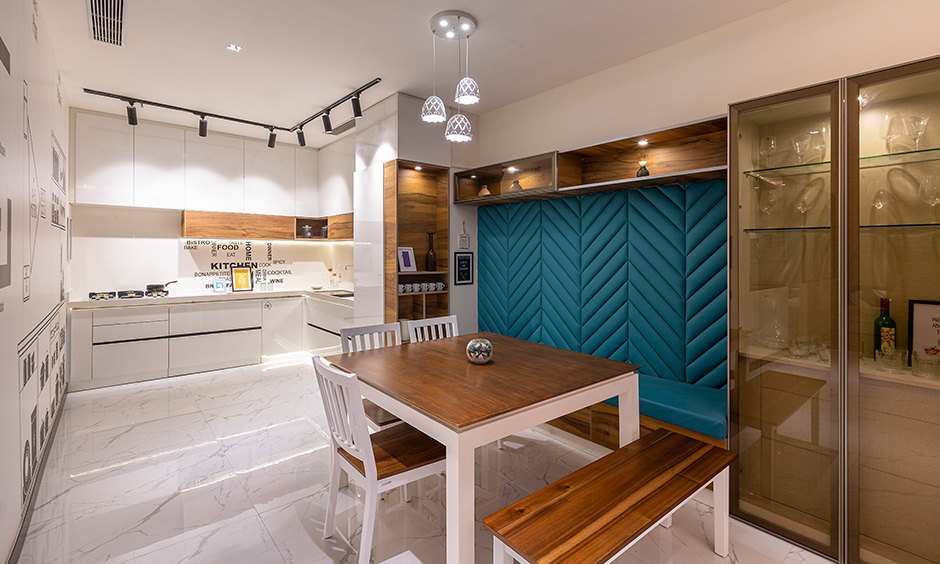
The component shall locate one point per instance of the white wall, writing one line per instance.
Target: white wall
(795, 44)
(32, 271)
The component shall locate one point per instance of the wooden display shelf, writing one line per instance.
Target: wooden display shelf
(219, 225)
(422, 272)
(406, 294)
(697, 175)
(339, 228)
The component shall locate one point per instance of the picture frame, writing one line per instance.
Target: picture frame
(463, 268)
(923, 327)
(406, 259)
(242, 279)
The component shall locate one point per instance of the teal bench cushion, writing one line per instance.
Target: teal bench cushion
(697, 408)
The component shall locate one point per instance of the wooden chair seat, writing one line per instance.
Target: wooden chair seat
(399, 449)
(378, 416)
(597, 512)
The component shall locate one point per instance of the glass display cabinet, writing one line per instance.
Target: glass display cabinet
(835, 410)
(519, 179)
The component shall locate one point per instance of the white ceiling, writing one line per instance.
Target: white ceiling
(301, 55)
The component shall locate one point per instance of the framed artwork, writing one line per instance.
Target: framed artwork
(923, 327)
(406, 259)
(241, 279)
(463, 268)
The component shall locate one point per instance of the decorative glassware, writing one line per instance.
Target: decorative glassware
(515, 186)
(432, 256)
(890, 360)
(768, 145)
(308, 231)
(915, 126)
(801, 144)
(820, 139)
(925, 365)
(767, 202)
(824, 352)
(479, 351)
(930, 190)
(643, 171)
(800, 347)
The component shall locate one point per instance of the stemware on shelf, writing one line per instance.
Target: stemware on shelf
(767, 201)
(805, 199)
(801, 144)
(768, 144)
(882, 197)
(930, 190)
(914, 127)
(820, 140)
(891, 128)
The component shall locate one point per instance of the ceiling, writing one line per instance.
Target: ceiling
(301, 55)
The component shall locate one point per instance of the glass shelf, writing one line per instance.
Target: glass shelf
(776, 175)
(899, 225)
(766, 229)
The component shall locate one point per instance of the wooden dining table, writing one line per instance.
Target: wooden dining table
(434, 387)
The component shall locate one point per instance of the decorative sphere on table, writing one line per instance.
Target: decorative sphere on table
(479, 351)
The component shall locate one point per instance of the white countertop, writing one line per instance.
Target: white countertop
(171, 299)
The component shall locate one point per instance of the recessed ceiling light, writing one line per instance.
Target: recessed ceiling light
(473, 176)
(233, 47)
(417, 168)
(465, 26)
(449, 34)
(443, 23)
(512, 169)
(643, 142)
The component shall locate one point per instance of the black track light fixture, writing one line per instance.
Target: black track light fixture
(300, 138)
(131, 114)
(272, 138)
(327, 126)
(357, 107)
(203, 126)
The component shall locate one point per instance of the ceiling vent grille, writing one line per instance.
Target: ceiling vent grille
(343, 127)
(106, 21)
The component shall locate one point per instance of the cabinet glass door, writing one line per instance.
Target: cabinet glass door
(894, 258)
(785, 390)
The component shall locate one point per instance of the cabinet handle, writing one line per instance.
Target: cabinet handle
(267, 305)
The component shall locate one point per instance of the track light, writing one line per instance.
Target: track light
(327, 126)
(131, 114)
(357, 108)
(203, 126)
(272, 138)
(300, 138)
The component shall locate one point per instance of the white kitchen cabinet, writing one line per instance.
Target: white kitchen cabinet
(214, 351)
(104, 160)
(282, 321)
(269, 178)
(79, 343)
(337, 163)
(159, 166)
(215, 173)
(322, 323)
(187, 319)
(306, 182)
(126, 315)
(131, 361)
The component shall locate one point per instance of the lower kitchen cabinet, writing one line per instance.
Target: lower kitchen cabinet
(134, 361)
(322, 322)
(214, 351)
(282, 323)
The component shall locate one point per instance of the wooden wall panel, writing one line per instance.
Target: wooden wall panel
(391, 241)
(218, 225)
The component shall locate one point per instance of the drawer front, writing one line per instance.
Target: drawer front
(322, 314)
(129, 331)
(129, 362)
(215, 316)
(318, 341)
(121, 315)
(214, 351)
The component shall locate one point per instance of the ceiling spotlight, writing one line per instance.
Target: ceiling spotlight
(417, 168)
(272, 138)
(131, 114)
(465, 26)
(643, 142)
(233, 47)
(327, 126)
(450, 34)
(203, 126)
(301, 140)
(443, 23)
(473, 176)
(357, 107)
(512, 169)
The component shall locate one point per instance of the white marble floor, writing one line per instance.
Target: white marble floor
(232, 467)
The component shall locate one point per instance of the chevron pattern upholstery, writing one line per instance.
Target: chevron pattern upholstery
(638, 275)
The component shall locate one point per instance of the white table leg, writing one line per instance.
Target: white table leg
(667, 522)
(722, 512)
(500, 554)
(460, 517)
(629, 414)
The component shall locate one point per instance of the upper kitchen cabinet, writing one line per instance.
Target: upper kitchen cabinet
(215, 173)
(337, 163)
(159, 166)
(306, 183)
(269, 178)
(103, 157)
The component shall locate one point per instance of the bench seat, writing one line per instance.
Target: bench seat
(697, 408)
(596, 513)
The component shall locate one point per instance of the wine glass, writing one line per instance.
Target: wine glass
(882, 197)
(930, 190)
(805, 199)
(914, 126)
(801, 144)
(768, 145)
(820, 139)
(891, 128)
(767, 203)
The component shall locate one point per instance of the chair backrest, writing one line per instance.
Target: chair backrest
(342, 402)
(370, 337)
(432, 328)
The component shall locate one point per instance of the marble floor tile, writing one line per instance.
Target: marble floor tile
(233, 466)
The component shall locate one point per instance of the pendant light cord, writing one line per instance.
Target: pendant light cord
(458, 61)
(434, 64)
(467, 66)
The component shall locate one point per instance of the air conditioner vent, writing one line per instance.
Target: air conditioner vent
(106, 21)
(343, 127)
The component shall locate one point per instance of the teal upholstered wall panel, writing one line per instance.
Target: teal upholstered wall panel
(638, 275)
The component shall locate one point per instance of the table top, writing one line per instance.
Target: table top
(435, 377)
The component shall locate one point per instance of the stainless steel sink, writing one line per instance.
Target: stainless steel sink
(339, 293)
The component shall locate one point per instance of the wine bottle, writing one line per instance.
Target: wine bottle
(431, 259)
(885, 328)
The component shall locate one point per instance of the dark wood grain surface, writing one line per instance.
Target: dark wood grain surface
(435, 377)
(590, 515)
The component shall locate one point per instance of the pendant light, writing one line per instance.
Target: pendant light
(467, 90)
(433, 110)
(458, 127)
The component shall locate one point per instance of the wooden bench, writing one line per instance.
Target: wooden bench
(598, 512)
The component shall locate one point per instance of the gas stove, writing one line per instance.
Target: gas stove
(102, 295)
(127, 294)
(157, 293)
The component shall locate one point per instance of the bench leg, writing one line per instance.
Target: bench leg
(500, 554)
(667, 522)
(722, 512)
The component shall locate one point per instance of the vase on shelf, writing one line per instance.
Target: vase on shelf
(431, 257)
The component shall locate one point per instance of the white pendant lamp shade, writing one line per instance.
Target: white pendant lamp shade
(467, 91)
(458, 129)
(433, 110)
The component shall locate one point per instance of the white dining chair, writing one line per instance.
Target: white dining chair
(432, 328)
(387, 459)
(366, 337)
